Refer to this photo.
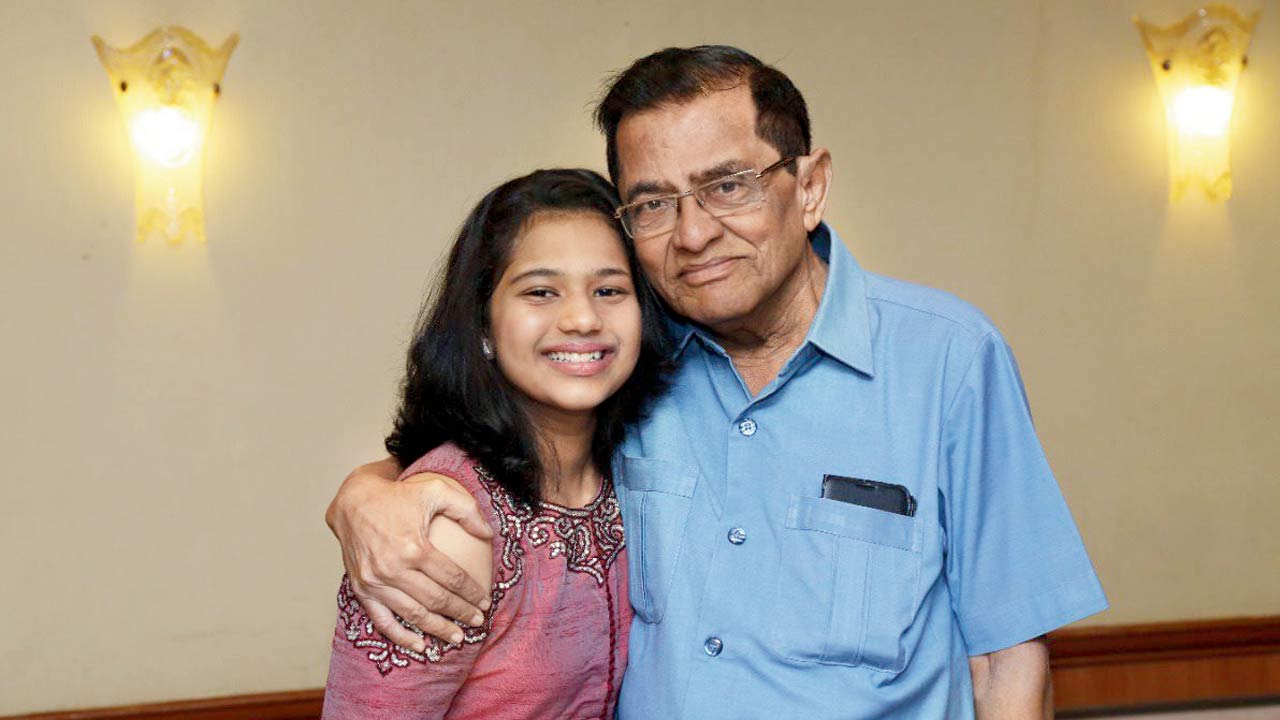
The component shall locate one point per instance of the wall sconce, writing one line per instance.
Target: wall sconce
(1197, 64)
(165, 86)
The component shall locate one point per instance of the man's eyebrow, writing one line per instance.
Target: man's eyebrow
(728, 167)
(649, 187)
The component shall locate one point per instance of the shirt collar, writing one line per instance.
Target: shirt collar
(842, 326)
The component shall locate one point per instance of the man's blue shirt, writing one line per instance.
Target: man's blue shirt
(756, 597)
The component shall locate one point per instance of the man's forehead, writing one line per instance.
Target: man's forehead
(681, 142)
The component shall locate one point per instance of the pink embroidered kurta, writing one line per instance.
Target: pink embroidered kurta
(554, 642)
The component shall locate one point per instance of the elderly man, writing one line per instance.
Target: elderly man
(840, 509)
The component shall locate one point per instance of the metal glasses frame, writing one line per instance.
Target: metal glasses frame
(695, 192)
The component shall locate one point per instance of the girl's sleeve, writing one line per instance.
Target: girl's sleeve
(371, 678)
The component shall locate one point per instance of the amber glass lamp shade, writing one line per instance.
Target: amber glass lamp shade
(166, 85)
(1197, 64)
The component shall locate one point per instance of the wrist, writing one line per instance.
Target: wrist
(351, 495)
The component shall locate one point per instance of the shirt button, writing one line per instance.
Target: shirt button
(747, 427)
(713, 646)
(737, 536)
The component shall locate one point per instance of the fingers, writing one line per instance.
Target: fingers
(390, 600)
(462, 509)
(433, 624)
(416, 597)
(387, 624)
(451, 590)
(429, 594)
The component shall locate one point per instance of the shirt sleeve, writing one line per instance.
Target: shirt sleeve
(1015, 564)
(371, 678)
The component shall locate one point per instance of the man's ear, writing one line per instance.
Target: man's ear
(813, 175)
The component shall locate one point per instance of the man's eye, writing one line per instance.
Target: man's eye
(654, 206)
(729, 188)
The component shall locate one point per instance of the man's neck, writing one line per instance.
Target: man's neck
(762, 343)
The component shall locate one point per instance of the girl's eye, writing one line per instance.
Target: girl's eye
(539, 293)
(611, 292)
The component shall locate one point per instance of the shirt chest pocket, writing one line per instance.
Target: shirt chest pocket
(655, 510)
(847, 584)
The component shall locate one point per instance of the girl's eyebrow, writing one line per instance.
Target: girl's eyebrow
(610, 272)
(553, 273)
(536, 272)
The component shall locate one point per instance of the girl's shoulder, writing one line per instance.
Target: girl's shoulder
(456, 466)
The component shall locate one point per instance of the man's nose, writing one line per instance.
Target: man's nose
(578, 314)
(695, 227)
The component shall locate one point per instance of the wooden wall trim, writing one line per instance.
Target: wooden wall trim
(1164, 641)
(1133, 667)
(1119, 668)
(292, 705)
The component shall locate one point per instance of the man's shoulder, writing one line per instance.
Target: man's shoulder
(894, 299)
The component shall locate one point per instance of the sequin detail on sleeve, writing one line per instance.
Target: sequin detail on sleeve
(386, 655)
(589, 539)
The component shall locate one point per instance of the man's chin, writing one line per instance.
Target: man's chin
(714, 310)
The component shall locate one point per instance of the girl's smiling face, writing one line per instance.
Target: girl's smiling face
(564, 321)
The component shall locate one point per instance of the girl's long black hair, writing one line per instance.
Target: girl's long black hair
(452, 393)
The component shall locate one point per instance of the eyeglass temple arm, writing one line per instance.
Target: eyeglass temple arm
(776, 165)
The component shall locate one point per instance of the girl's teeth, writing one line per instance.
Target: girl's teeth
(568, 357)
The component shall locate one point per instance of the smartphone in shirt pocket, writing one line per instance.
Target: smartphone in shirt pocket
(869, 493)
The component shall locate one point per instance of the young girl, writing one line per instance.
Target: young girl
(543, 341)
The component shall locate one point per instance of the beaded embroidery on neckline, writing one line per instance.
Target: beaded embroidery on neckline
(589, 538)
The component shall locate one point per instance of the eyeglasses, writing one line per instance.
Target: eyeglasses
(733, 193)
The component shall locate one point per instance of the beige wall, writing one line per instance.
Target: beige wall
(176, 418)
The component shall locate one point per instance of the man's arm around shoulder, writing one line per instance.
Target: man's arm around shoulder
(382, 524)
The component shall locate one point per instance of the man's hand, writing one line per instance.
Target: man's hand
(382, 526)
(1013, 683)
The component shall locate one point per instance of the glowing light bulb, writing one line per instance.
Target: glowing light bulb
(167, 135)
(1203, 110)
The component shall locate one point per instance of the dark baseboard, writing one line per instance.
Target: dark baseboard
(293, 705)
(1136, 668)
(1105, 670)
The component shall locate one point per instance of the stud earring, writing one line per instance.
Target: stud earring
(486, 349)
